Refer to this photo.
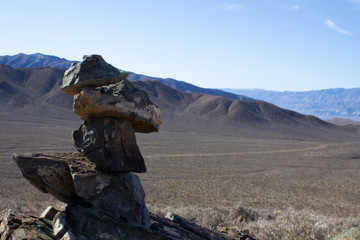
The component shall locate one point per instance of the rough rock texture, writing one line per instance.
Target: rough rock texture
(94, 224)
(71, 178)
(110, 143)
(13, 227)
(82, 223)
(120, 100)
(46, 171)
(92, 71)
(121, 195)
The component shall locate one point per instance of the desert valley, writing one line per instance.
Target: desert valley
(232, 164)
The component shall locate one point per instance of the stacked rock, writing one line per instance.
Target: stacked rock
(105, 199)
(99, 180)
(112, 110)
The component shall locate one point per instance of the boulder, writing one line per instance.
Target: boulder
(121, 195)
(120, 100)
(110, 143)
(73, 179)
(46, 171)
(92, 71)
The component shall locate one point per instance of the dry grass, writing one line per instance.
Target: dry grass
(261, 173)
(274, 188)
(264, 224)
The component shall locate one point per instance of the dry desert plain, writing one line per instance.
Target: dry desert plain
(208, 176)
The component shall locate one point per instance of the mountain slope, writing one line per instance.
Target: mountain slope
(327, 103)
(33, 91)
(202, 112)
(40, 60)
(35, 60)
(187, 87)
(36, 92)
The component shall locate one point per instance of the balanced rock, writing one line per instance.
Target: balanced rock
(92, 71)
(110, 143)
(120, 100)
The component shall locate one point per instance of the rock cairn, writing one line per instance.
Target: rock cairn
(105, 199)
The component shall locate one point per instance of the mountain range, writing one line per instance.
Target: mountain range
(325, 104)
(36, 92)
(22, 60)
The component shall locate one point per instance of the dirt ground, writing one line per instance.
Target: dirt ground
(205, 170)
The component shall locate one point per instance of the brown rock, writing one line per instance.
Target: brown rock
(120, 100)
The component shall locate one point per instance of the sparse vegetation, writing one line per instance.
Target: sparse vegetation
(265, 224)
(274, 188)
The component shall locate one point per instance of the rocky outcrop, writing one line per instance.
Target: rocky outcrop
(105, 198)
(78, 222)
(71, 178)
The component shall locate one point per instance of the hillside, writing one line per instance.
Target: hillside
(187, 87)
(35, 60)
(326, 104)
(202, 112)
(36, 91)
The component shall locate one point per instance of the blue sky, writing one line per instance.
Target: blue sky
(281, 45)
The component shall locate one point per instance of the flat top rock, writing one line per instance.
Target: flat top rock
(92, 71)
(121, 100)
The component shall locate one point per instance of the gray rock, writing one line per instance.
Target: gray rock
(50, 174)
(13, 227)
(73, 179)
(59, 225)
(85, 223)
(121, 195)
(110, 143)
(49, 213)
(92, 71)
(91, 223)
(120, 100)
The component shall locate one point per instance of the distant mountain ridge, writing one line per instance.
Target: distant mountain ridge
(22, 60)
(35, 92)
(40, 60)
(187, 87)
(326, 104)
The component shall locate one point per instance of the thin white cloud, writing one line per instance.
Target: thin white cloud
(356, 4)
(295, 7)
(335, 27)
(232, 7)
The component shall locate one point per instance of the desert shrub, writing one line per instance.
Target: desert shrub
(291, 224)
(351, 234)
(264, 224)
